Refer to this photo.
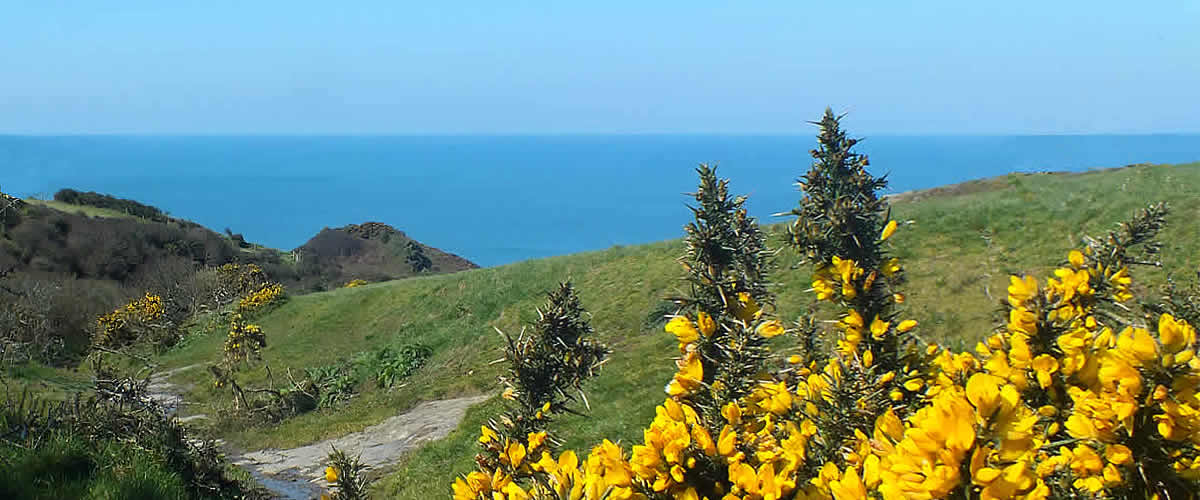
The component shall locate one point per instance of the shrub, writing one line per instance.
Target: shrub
(386, 367)
(255, 301)
(52, 319)
(390, 366)
(238, 280)
(244, 342)
(354, 283)
(546, 366)
(139, 320)
(1081, 393)
(114, 442)
(10, 211)
(416, 258)
(334, 383)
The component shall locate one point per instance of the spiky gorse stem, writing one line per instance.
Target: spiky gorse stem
(726, 263)
(347, 476)
(723, 333)
(1179, 299)
(547, 366)
(841, 228)
(726, 254)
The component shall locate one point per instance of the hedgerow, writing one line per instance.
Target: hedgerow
(1085, 391)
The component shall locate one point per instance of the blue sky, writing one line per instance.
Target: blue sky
(307, 67)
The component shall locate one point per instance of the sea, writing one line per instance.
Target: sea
(501, 199)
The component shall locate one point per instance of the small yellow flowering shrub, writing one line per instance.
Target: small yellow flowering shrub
(243, 342)
(1083, 392)
(355, 283)
(132, 322)
(267, 294)
(230, 282)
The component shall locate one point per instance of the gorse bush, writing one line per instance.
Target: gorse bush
(265, 295)
(1082, 392)
(547, 366)
(237, 281)
(244, 342)
(139, 320)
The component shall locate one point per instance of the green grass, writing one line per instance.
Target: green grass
(959, 249)
(45, 382)
(81, 209)
(66, 467)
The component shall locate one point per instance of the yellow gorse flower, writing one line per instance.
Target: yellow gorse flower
(684, 330)
(769, 329)
(888, 230)
(689, 377)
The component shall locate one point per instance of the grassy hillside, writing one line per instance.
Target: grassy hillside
(65, 262)
(993, 228)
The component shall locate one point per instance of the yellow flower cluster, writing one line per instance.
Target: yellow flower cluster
(1063, 402)
(355, 283)
(243, 341)
(843, 278)
(116, 328)
(267, 294)
(605, 474)
(242, 276)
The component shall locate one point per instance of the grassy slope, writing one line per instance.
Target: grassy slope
(81, 209)
(960, 246)
(54, 384)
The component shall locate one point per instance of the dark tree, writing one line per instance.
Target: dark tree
(417, 258)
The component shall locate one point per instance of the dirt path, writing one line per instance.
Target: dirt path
(298, 473)
(169, 395)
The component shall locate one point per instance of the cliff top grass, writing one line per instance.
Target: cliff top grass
(81, 209)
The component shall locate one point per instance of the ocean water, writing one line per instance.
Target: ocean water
(501, 199)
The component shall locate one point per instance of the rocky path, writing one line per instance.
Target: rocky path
(169, 395)
(298, 473)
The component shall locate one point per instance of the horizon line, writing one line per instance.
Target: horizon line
(578, 134)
